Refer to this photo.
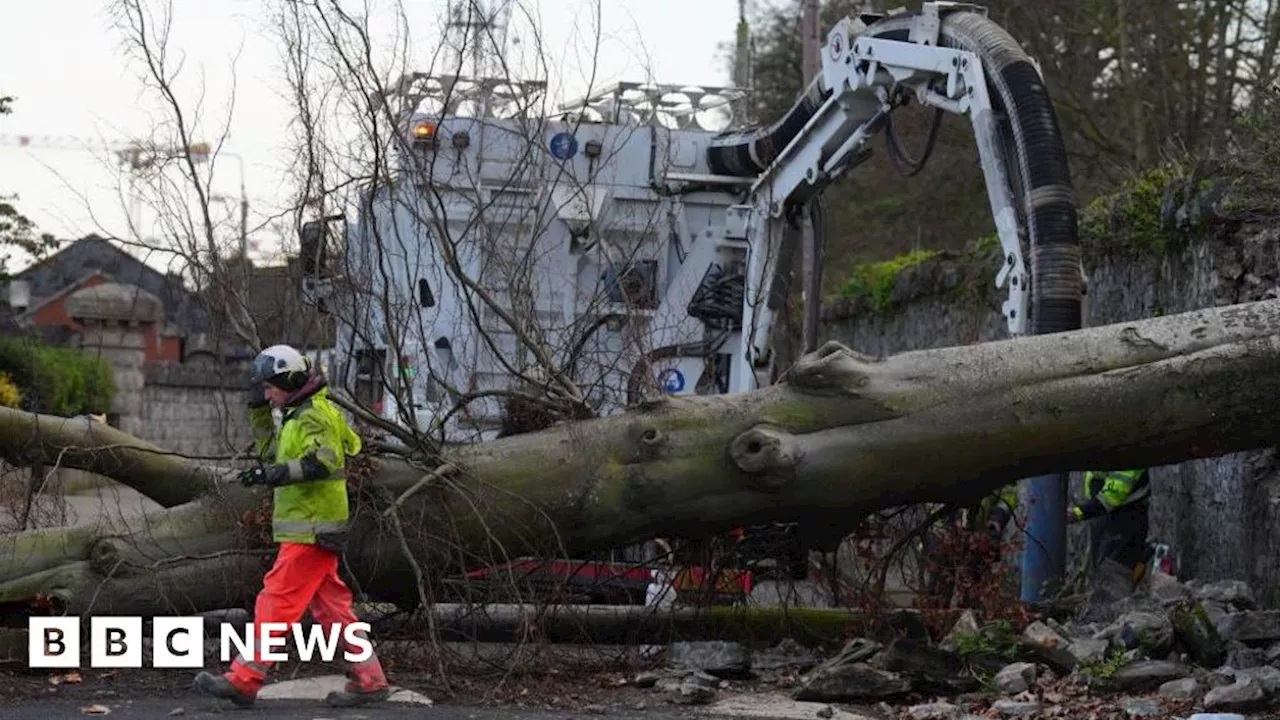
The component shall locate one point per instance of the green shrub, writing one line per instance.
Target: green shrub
(996, 639)
(875, 281)
(1106, 668)
(1130, 221)
(56, 380)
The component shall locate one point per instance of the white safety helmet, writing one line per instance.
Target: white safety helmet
(281, 365)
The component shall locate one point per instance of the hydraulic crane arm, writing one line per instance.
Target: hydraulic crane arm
(949, 56)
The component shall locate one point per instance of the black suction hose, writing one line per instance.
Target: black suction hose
(749, 152)
(1036, 159)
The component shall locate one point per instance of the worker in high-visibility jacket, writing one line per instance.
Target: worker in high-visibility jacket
(1121, 498)
(309, 521)
(996, 510)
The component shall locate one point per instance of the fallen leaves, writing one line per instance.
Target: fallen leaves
(71, 677)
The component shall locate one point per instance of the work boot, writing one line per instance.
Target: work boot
(353, 696)
(220, 687)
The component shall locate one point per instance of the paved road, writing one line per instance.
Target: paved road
(158, 695)
(196, 706)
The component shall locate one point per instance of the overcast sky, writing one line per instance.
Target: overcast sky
(62, 60)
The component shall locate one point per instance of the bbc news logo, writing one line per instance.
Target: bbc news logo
(179, 642)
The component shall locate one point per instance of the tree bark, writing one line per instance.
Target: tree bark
(842, 435)
(632, 624)
(81, 442)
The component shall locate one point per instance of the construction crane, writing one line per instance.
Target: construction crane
(135, 155)
(138, 157)
(131, 155)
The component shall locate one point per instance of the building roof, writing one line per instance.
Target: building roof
(39, 304)
(273, 296)
(74, 262)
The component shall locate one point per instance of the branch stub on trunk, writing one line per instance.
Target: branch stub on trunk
(769, 455)
(831, 369)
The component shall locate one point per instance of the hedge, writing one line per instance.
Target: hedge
(10, 396)
(57, 380)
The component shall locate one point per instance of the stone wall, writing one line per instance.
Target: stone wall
(194, 410)
(1223, 514)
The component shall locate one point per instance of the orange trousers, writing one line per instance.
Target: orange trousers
(304, 577)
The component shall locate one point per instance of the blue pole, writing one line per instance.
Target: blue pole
(1044, 551)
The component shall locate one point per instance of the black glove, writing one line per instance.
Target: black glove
(1087, 510)
(257, 394)
(272, 475)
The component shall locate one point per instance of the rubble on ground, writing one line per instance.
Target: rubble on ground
(1169, 650)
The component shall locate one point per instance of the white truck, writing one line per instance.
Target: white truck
(630, 243)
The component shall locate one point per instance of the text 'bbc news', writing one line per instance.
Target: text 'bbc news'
(179, 642)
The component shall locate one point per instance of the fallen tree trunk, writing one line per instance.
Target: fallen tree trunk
(625, 624)
(81, 442)
(126, 545)
(842, 436)
(596, 624)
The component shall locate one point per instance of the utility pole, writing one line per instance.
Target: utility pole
(742, 50)
(244, 208)
(201, 152)
(811, 38)
(811, 46)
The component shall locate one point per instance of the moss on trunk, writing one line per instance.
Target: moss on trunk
(842, 436)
